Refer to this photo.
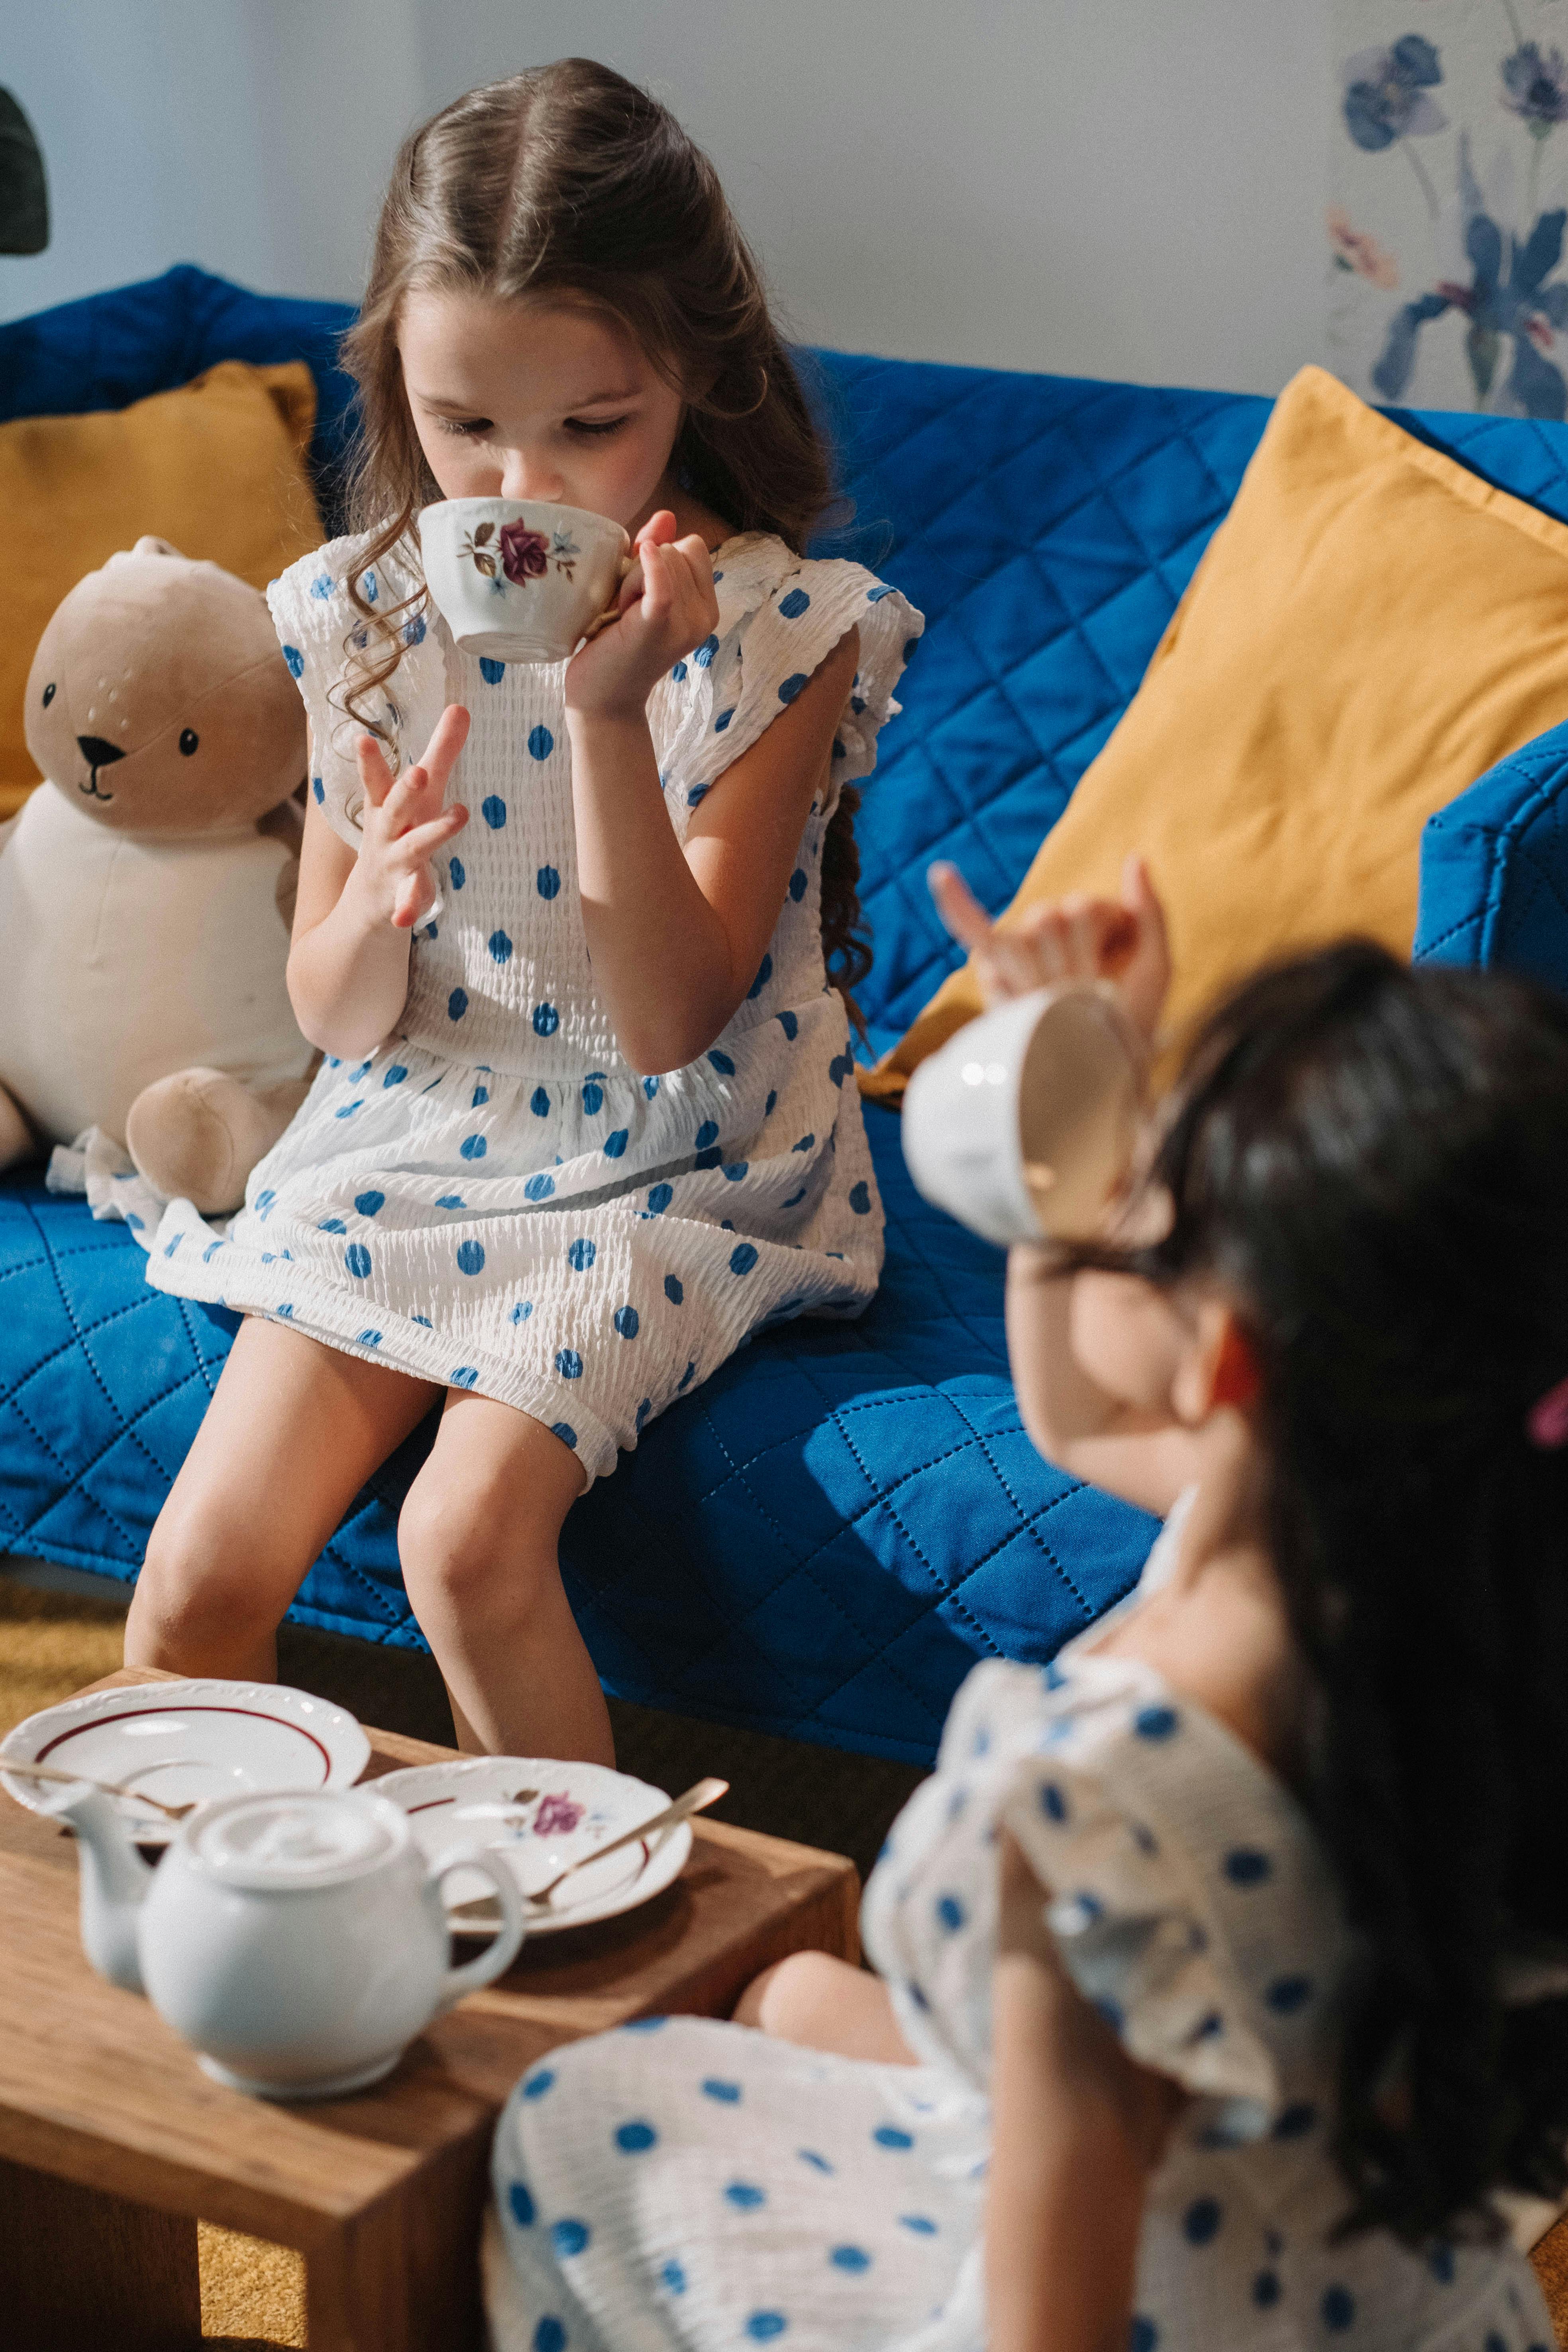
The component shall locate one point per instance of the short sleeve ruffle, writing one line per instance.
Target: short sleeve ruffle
(1189, 1899)
(780, 616)
(321, 631)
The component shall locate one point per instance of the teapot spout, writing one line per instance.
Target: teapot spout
(114, 1882)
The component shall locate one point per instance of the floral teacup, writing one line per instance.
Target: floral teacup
(520, 581)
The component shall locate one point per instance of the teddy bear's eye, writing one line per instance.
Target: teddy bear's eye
(48, 696)
(189, 740)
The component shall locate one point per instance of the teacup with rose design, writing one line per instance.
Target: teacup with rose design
(517, 580)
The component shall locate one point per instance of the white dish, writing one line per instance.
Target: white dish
(187, 1742)
(539, 1817)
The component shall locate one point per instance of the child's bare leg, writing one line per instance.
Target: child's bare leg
(293, 1433)
(826, 2004)
(477, 1539)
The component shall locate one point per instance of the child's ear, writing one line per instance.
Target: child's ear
(1218, 1368)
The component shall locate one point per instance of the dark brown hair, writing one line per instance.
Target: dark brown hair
(568, 179)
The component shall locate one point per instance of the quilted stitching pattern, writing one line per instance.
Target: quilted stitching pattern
(1494, 868)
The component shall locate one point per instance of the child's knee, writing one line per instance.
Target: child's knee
(201, 1569)
(462, 1545)
(795, 1999)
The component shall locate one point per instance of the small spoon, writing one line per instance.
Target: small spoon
(702, 1794)
(107, 1788)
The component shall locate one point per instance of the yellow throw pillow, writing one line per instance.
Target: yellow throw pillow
(1370, 629)
(218, 468)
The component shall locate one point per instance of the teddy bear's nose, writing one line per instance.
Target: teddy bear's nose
(97, 752)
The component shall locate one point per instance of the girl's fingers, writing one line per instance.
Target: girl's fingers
(374, 774)
(422, 841)
(441, 752)
(660, 531)
(956, 903)
(414, 895)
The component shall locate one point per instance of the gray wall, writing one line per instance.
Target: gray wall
(1113, 187)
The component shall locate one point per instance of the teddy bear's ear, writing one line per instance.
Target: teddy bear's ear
(147, 545)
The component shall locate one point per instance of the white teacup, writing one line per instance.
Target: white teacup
(518, 580)
(1024, 1124)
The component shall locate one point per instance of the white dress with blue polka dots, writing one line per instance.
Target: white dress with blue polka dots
(493, 1199)
(697, 2185)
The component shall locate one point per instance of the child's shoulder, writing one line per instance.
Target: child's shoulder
(317, 585)
(757, 572)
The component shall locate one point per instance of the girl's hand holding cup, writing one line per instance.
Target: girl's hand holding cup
(405, 824)
(1122, 941)
(667, 605)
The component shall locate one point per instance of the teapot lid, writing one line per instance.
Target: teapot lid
(307, 1839)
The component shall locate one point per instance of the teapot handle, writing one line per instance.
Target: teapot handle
(494, 1962)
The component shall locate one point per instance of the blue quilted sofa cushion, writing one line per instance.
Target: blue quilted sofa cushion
(822, 1539)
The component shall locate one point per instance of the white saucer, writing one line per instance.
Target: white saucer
(540, 1816)
(187, 1742)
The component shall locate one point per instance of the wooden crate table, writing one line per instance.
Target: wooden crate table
(113, 2143)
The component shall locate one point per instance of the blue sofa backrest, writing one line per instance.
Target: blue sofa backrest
(1046, 525)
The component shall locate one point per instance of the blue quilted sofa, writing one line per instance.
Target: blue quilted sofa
(822, 1539)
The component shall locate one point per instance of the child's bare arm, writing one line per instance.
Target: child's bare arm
(353, 919)
(1077, 2128)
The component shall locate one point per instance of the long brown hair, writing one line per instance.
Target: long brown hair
(568, 178)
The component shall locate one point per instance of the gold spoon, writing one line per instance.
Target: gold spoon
(107, 1788)
(702, 1794)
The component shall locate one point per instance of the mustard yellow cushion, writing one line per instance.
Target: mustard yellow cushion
(216, 468)
(1369, 630)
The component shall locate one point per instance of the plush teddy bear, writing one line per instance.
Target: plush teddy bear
(147, 887)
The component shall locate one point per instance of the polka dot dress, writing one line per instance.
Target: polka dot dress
(493, 1199)
(692, 2184)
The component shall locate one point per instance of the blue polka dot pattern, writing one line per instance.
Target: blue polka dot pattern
(874, 596)
(1245, 1866)
(472, 1146)
(793, 605)
(660, 1197)
(746, 2195)
(1338, 2309)
(491, 671)
(356, 1257)
(722, 1063)
(626, 1322)
(546, 1021)
(480, 1095)
(1440, 2263)
(1053, 1803)
(673, 2277)
(860, 1199)
(538, 1103)
(367, 1203)
(1200, 2223)
(723, 719)
(636, 2138)
(850, 2258)
(818, 2163)
(743, 1258)
(535, 2085)
(457, 1004)
(1266, 2290)
(889, 2135)
(763, 2325)
(550, 2335)
(569, 2236)
(457, 871)
(470, 1257)
(547, 882)
(466, 1376)
(727, 2093)
(950, 1912)
(764, 973)
(499, 947)
(797, 885)
(679, 672)
(616, 1142)
(580, 1256)
(705, 652)
(791, 686)
(395, 1075)
(370, 1338)
(492, 808)
(521, 2205)
(319, 790)
(296, 661)
(539, 1188)
(920, 2224)
(565, 1433)
(413, 630)
(789, 1024)
(540, 743)
(674, 1289)
(1296, 2121)
(1286, 1995)
(1156, 1722)
(1142, 2335)
(569, 1363)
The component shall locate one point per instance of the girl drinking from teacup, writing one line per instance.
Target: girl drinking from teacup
(1224, 1961)
(577, 938)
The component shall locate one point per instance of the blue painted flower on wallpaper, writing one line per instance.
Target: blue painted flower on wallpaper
(1535, 88)
(1386, 93)
(1508, 301)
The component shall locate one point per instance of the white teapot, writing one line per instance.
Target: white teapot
(298, 1942)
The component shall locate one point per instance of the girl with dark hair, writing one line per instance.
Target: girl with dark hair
(1225, 1959)
(578, 939)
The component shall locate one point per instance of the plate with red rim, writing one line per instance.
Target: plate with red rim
(539, 1817)
(187, 1742)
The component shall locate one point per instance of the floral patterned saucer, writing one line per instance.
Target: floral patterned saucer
(539, 1817)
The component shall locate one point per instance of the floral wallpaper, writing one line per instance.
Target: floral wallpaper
(1449, 180)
